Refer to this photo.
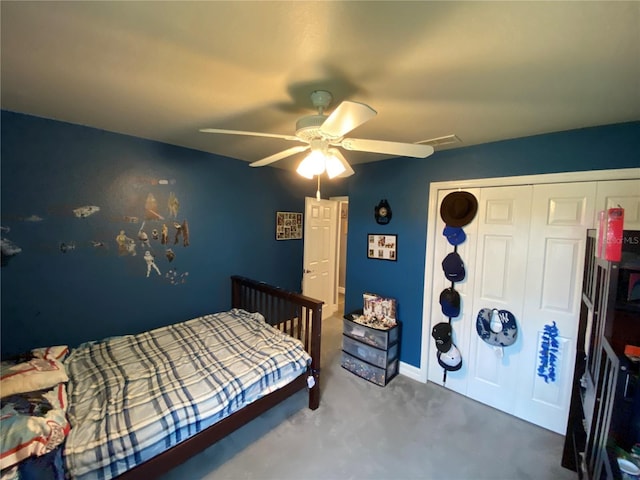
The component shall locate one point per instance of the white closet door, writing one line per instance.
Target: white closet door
(560, 216)
(524, 253)
(498, 275)
(624, 193)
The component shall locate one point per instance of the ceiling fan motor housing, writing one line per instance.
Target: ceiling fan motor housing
(308, 128)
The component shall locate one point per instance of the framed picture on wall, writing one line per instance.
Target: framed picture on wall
(382, 246)
(289, 225)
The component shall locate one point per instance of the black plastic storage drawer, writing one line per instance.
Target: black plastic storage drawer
(369, 335)
(369, 354)
(377, 375)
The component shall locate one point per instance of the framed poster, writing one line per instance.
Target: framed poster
(289, 226)
(382, 246)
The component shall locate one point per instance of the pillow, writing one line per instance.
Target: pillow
(35, 374)
(59, 352)
(33, 423)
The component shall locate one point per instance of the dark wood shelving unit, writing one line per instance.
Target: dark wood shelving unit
(605, 402)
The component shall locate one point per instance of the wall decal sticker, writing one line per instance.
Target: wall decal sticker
(174, 205)
(8, 249)
(126, 245)
(85, 211)
(148, 258)
(33, 218)
(170, 255)
(151, 208)
(174, 278)
(143, 237)
(549, 352)
(67, 247)
(143, 181)
(185, 233)
(165, 234)
(182, 230)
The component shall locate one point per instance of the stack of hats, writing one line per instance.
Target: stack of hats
(457, 210)
(448, 354)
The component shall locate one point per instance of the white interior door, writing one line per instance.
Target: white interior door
(499, 272)
(320, 239)
(560, 216)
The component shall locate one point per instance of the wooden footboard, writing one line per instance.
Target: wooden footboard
(294, 314)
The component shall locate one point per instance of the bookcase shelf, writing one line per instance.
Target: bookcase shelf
(604, 417)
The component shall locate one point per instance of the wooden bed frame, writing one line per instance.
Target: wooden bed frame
(292, 313)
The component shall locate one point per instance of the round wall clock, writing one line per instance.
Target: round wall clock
(383, 212)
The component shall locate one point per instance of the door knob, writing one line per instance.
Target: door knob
(306, 271)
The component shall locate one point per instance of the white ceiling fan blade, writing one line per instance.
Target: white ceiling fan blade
(279, 156)
(390, 148)
(348, 171)
(251, 134)
(345, 118)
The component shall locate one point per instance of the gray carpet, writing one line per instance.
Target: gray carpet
(405, 430)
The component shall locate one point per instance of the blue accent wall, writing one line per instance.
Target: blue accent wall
(50, 168)
(55, 294)
(405, 184)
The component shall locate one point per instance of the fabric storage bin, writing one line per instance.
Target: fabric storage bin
(372, 355)
(371, 336)
(379, 376)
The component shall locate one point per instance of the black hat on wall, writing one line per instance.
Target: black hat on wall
(458, 209)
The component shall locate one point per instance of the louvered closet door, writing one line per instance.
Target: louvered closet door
(560, 216)
(498, 274)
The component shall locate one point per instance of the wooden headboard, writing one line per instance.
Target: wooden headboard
(293, 313)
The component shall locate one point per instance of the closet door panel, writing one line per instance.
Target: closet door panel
(623, 193)
(498, 274)
(560, 216)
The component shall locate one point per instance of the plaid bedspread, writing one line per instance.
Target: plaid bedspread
(134, 396)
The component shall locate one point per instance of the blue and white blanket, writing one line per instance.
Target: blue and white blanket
(132, 397)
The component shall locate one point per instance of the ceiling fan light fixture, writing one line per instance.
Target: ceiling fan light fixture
(334, 164)
(313, 164)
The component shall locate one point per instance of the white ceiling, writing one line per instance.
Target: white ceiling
(484, 71)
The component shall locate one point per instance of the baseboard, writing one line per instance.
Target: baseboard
(412, 372)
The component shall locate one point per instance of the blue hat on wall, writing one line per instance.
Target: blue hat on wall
(450, 302)
(453, 267)
(455, 235)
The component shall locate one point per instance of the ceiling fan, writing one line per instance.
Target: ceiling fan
(321, 134)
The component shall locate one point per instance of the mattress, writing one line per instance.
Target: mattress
(132, 397)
